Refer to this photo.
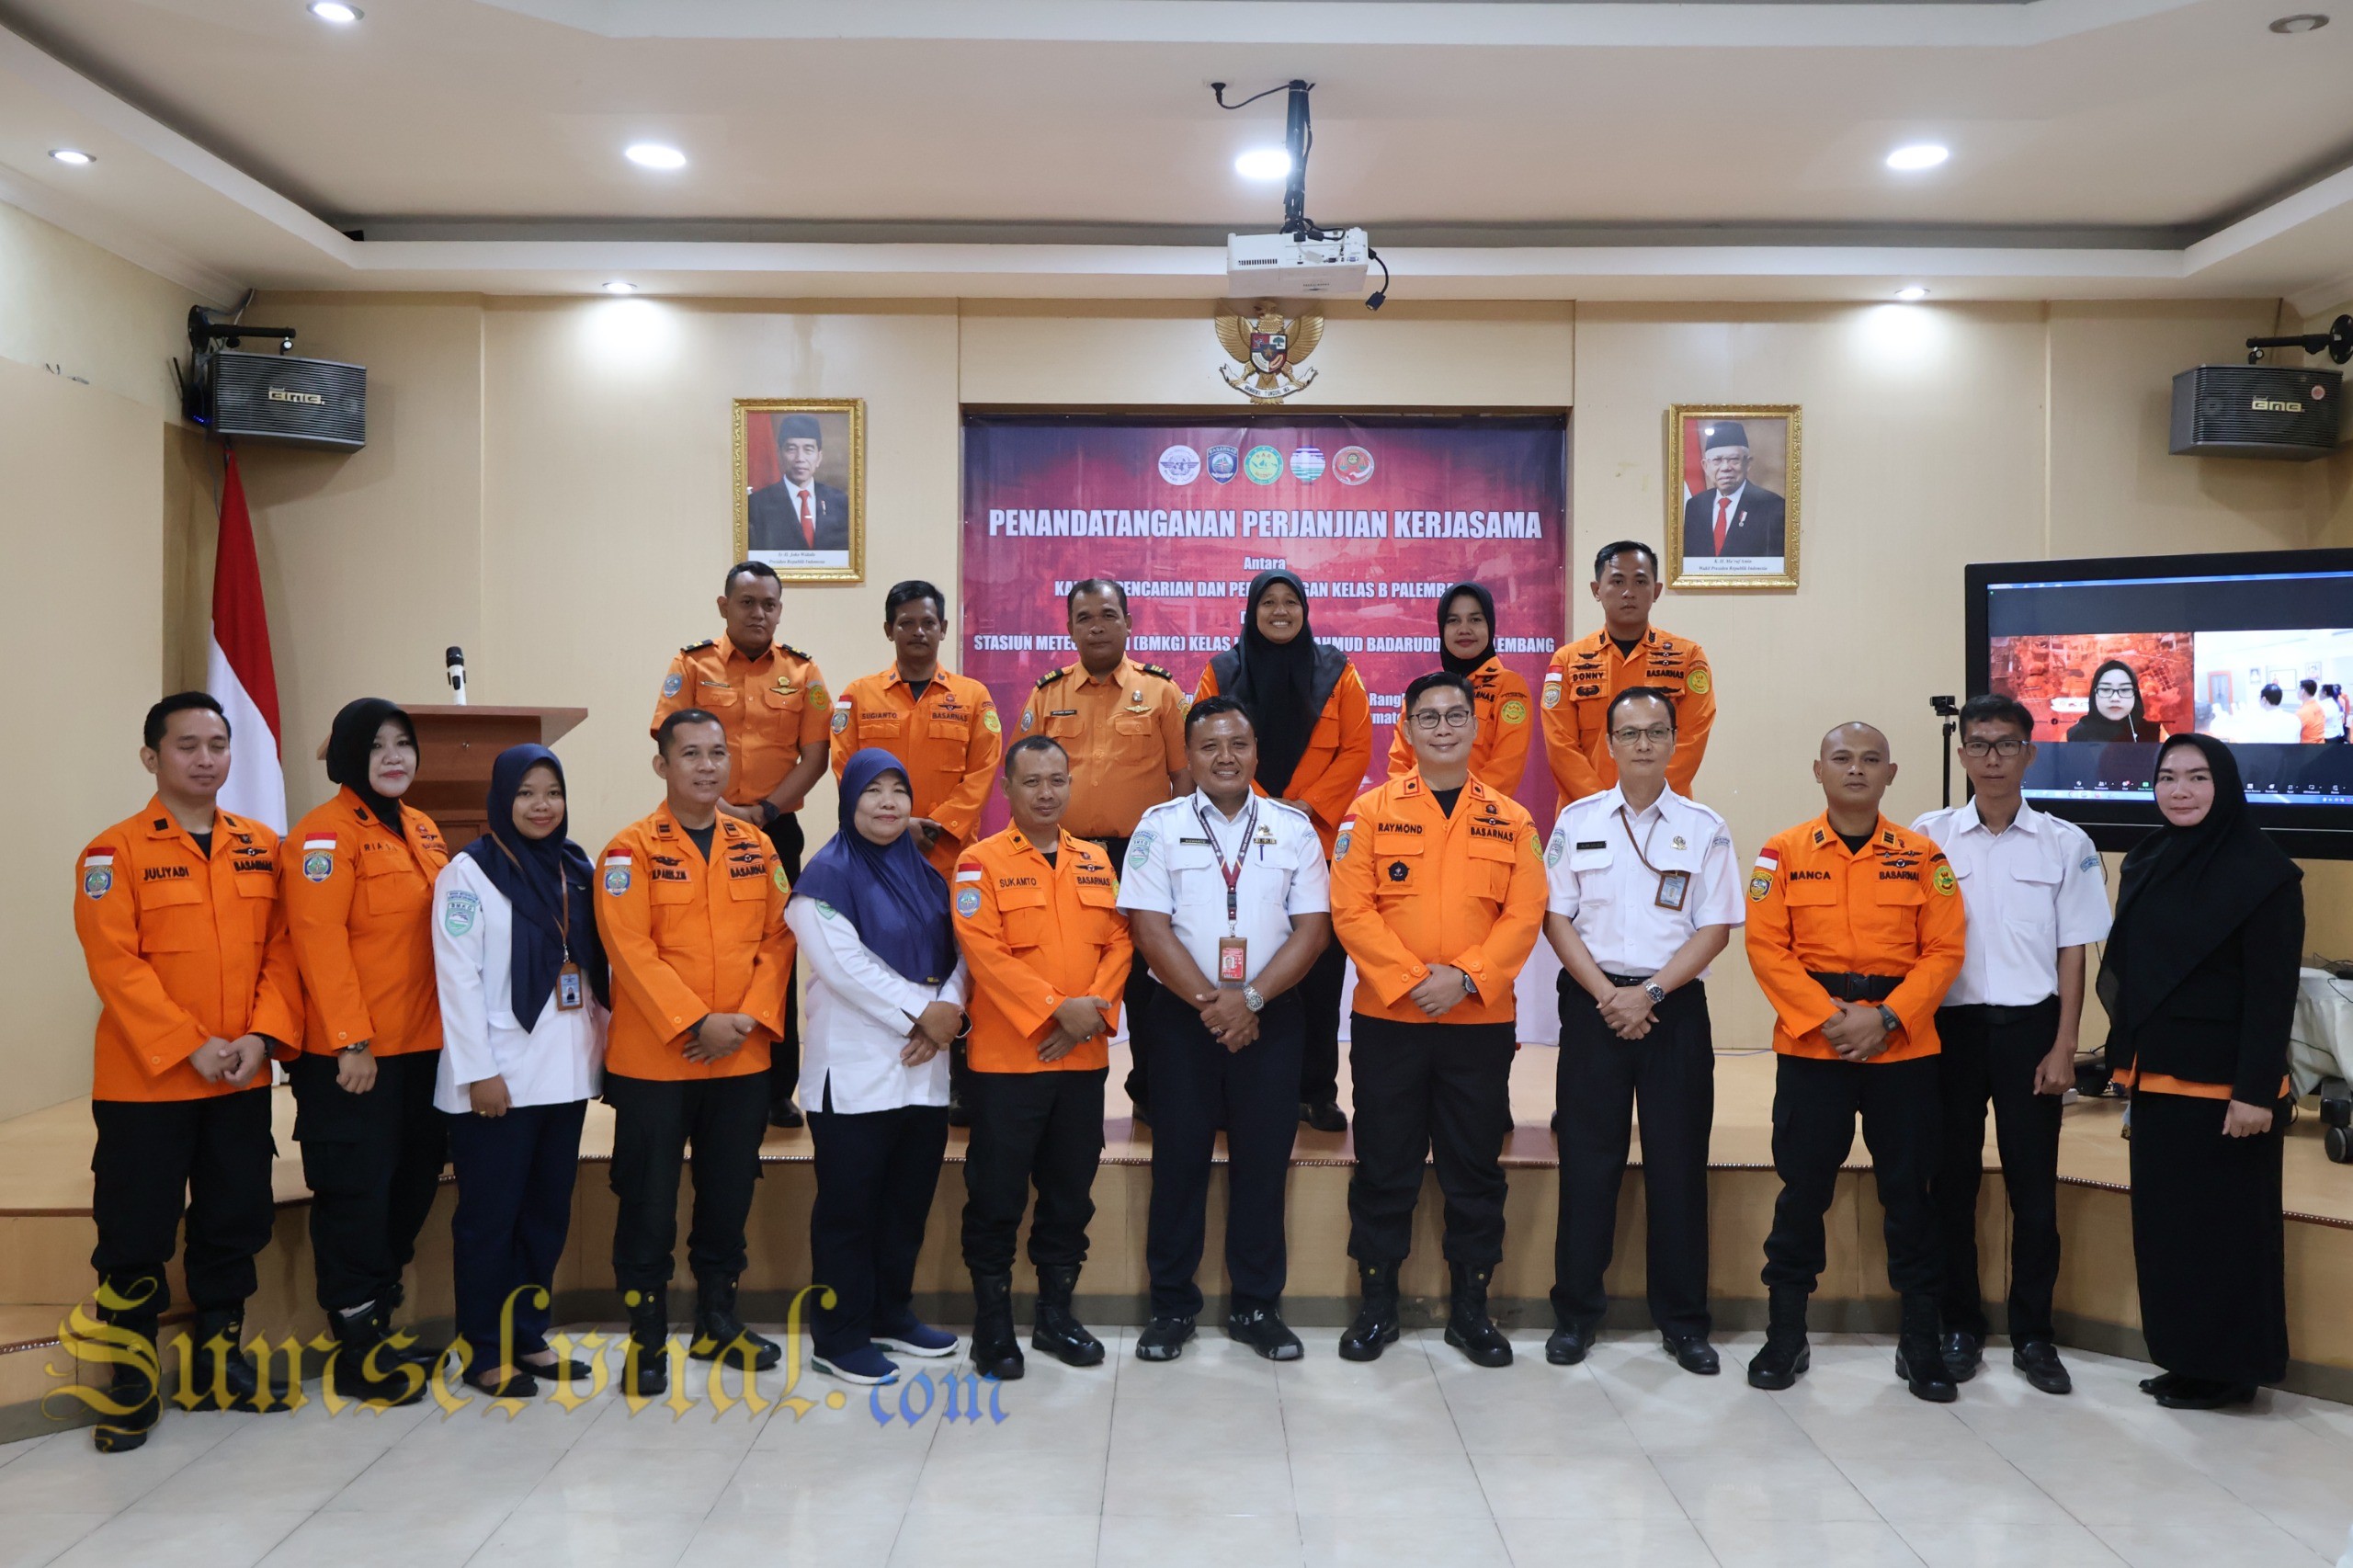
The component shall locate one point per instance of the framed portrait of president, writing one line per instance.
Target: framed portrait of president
(800, 486)
(1731, 496)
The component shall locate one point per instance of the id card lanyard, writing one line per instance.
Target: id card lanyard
(1233, 949)
(1673, 886)
(571, 992)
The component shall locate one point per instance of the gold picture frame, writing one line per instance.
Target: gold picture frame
(1752, 540)
(830, 546)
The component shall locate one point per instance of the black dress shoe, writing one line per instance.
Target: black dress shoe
(2205, 1393)
(1924, 1375)
(1162, 1339)
(2158, 1386)
(1265, 1332)
(784, 1113)
(516, 1384)
(1568, 1344)
(2038, 1360)
(1693, 1353)
(1324, 1116)
(559, 1369)
(1963, 1353)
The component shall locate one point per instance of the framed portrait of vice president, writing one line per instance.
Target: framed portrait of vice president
(801, 487)
(1731, 496)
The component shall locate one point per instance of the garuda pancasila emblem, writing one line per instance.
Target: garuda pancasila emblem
(1267, 351)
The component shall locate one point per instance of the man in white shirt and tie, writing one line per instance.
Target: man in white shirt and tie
(2036, 895)
(1644, 892)
(797, 516)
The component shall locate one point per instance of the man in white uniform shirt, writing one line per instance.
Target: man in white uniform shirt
(1644, 893)
(2035, 897)
(1228, 898)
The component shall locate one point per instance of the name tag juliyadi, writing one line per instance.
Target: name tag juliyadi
(1672, 887)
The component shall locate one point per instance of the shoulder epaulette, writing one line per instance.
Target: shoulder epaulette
(789, 648)
(1156, 670)
(1049, 678)
(698, 647)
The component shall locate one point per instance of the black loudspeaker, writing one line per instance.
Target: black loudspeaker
(276, 397)
(2255, 411)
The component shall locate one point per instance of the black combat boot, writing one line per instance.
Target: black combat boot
(996, 1349)
(1919, 1359)
(1376, 1326)
(240, 1379)
(140, 1402)
(364, 1367)
(647, 1371)
(717, 1328)
(1785, 1356)
(1054, 1329)
(1468, 1327)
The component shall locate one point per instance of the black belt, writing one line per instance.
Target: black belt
(2047, 1004)
(1622, 981)
(1851, 987)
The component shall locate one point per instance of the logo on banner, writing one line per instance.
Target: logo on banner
(1352, 465)
(1307, 464)
(1224, 464)
(1268, 350)
(1180, 465)
(1264, 465)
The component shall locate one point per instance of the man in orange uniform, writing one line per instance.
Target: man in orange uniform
(692, 910)
(1627, 650)
(1122, 725)
(1037, 918)
(1438, 892)
(772, 700)
(186, 940)
(1855, 931)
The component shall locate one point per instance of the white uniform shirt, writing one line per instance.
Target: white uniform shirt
(1595, 877)
(859, 1012)
(2030, 890)
(560, 1060)
(1172, 870)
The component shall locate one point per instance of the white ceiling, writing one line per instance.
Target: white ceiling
(1530, 148)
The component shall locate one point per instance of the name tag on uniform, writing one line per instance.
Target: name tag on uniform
(1232, 960)
(568, 989)
(1672, 887)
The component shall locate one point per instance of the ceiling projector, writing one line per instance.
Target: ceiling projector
(1289, 264)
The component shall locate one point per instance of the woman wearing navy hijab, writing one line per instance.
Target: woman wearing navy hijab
(524, 997)
(886, 998)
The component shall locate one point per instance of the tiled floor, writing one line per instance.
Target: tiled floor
(1227, 1461)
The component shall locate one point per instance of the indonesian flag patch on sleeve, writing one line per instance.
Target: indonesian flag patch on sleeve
(1760, 878)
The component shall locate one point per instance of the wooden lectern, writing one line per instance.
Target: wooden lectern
(456, 744)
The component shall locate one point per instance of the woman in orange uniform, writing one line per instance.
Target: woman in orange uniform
(358, 882)
(1466, 647)
(1314, 727)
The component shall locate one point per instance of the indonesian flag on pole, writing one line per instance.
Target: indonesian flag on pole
(238, 672)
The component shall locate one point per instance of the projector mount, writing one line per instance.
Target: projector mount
(1299, 139)
(2337, 342)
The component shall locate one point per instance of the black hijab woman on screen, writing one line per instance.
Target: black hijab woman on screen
(2200, 983)
(2117, 711)
(1313, 722)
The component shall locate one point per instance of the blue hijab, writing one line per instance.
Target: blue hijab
(890, 893)
(535, 874)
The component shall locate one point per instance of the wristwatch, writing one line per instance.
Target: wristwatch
(1653, 989)
(1888, 1019)
(1469, 987)
(1252, 999)
(354, 1049)
(770, 811)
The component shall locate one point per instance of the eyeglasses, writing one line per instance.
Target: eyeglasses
(1657, 735)
(2005, 747)
(1429, 721)
(2113, 689)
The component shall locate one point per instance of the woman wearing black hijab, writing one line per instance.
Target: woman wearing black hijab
(358, 881)
(2117, 712)
(1466, 647)
(1313, 722)
(2200, 984)
(525, 998)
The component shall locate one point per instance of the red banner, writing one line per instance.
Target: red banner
(1378, 516)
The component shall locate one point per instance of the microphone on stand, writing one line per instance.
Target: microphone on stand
(457, 663)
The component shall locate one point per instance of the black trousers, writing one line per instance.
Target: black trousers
(1814, 1106)
(1435, 1092)
(1141, 985)
(158, 1159)
(784, 1054)
(1669, 1076)
(654, 1122)
(1197, 1086)
(1041, 1129)
(1319, 1000)
(877, 1173)
(373, 1163)
(515, 1176)
(1990, 1053)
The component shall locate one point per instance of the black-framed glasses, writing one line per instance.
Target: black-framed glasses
(1430, 720)
(2007, 746)
(1657, 735)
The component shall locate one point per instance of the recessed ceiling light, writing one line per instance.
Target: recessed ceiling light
(1262, 162)
(1918, 155)
(1911, 292)
(655, 155)
(2306, 22)
(335, 11)
(73, 155)
(618, 287)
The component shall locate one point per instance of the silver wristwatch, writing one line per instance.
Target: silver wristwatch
(1252, 999)
(1656, 992)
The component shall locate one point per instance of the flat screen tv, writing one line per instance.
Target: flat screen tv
(2112, 656)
